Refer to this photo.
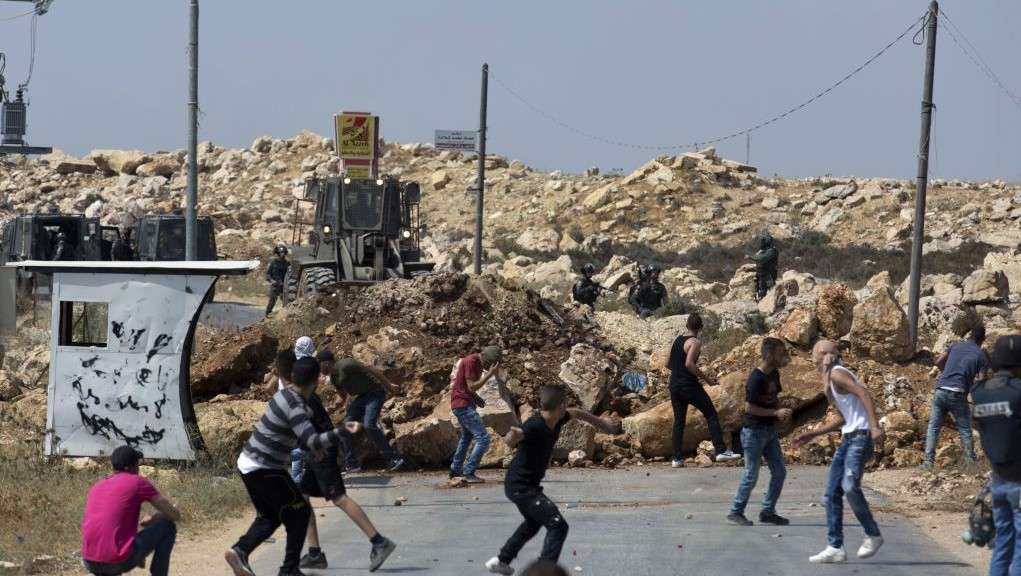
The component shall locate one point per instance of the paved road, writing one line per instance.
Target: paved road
(632, 523)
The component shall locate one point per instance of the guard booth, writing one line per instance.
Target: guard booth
(120, 354)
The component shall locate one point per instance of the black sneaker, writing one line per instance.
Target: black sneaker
(773, 518)
(396, 464)
(739, 520)
(238, 562)
(312, 562)
(473, 479)
(380, 552)
(291, 572)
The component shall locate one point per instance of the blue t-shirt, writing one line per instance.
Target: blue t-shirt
(965, 361)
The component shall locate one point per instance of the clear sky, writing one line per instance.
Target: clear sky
(113, 74)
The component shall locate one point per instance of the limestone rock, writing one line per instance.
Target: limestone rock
(588, 373)
(801, 327)
(575, 435)
(428, 441)
(64, 164)
(835, 310)
(119, 161)
(985, 287)
(10, 386)
(880, 329)
(545, 240)
(439, 179)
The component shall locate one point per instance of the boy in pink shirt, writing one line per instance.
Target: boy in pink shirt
(111, 541)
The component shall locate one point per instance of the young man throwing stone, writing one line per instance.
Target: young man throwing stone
(523, 484)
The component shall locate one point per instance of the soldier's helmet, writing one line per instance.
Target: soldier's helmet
(766, 240)
(280, 250)
(588, 269)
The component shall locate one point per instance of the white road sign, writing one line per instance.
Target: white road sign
(459, 140)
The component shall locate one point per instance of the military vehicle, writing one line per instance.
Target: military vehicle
(35, 237)
(365, 230)
(161, 237)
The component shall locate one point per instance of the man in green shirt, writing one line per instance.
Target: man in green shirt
(368, 388)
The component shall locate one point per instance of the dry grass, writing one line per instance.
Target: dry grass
(41, 502)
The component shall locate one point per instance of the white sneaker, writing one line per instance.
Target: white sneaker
(496, 567)
(677, 463)
(830, 555)
(727, 456)
(870, 546)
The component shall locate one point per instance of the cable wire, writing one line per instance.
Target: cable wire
(976, 57)
(31, 57)
(16, 16)
(701, 143)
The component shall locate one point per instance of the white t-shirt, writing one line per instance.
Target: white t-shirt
(246, 465)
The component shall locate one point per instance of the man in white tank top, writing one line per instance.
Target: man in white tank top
(860, 432)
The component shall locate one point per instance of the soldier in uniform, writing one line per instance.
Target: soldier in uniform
(121, 249)
(997, 413)
(276, 273)
(766, 260)
(62, 250)
(649, 294)
(586, 290)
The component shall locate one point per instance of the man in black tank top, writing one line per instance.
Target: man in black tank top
(685, 389)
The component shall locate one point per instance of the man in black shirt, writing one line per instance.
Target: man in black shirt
(759, 438)
(586, 290)
(766, 260)
(649, 294)
(523, 484)
(685, 389)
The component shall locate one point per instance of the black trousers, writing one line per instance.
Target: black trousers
(680, 398)
(539, 512)
(277, 501)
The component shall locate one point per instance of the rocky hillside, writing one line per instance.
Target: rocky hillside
(843, 262)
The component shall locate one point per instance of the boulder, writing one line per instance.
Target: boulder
(1007, 263)
(985, 287)
(10, 386)
(119, 161)
(906, 457)
(575, 435)
(165, 165)
(742, 285)
(64, 164)
(499, 454)
(559, 271)
(439, 179)
(588, 373)
(598, 197)
(429, 441)
(576, 458)
(835, 310)
(880, 329)
(899, 421)
(262, 144)
(801, 327)
(226, 426)
(545, 240)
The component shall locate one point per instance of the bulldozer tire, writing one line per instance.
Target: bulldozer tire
(309, 281)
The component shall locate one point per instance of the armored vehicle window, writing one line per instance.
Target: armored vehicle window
(83, 324)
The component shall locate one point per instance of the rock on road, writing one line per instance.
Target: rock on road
(649, 520)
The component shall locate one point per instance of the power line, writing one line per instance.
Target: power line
(16, 16)
(976, 58)
(696, 144)
(31, 51)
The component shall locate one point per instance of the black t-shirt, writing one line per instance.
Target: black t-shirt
(529, 465)
(321, 421)
(680, 376)
(762, 390)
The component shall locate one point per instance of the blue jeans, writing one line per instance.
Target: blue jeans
(758, 443)
(365, 408)
(943, 402)
(846, 471)
(1006, 560)
(297, 464)
(472, 428)
(157, 539)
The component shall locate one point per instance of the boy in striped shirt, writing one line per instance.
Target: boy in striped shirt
(264, 464)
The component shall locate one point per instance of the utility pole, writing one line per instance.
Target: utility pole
(190, 226)
(481, 183)
(923, 175)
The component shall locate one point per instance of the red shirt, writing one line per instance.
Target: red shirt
(468, 369)
(110, 522)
